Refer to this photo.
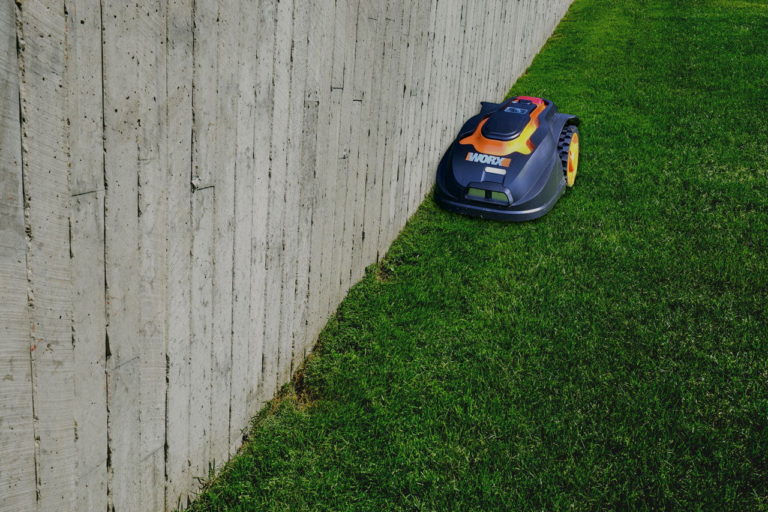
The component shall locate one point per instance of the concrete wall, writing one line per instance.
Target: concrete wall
(188, 189)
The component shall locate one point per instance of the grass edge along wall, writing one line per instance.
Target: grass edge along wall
(188, 191)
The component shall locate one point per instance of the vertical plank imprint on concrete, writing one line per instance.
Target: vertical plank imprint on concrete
(41, 34)
(262, 136)
(243, 226)
(318, 89)
(222, 173)
(17, 441)
(297, 217)
(179, 40)
(277, 346)
(122, 109)
(86, 164)
(153, 213)
(201, 332)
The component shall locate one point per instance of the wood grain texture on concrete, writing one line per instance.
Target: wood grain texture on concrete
(41, 32)
(17, 442)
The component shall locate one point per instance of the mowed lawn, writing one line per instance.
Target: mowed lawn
(612, 355)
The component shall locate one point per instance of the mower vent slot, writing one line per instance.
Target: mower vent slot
(495, 197)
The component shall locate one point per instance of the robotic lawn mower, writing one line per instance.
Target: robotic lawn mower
(510, 162)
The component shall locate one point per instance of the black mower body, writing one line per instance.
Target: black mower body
(505, 163)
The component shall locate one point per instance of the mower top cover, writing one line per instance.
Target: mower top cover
(510, 162)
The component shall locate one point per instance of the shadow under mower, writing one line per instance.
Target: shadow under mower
(510, 162)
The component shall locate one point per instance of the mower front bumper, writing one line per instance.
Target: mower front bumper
(516, 213)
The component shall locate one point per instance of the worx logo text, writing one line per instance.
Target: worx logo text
(482, 158)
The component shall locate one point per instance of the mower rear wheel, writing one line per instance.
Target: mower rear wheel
(568, 150)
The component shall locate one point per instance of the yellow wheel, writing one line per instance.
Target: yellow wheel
(568, 148)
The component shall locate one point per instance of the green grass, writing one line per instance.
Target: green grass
(610, 356)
